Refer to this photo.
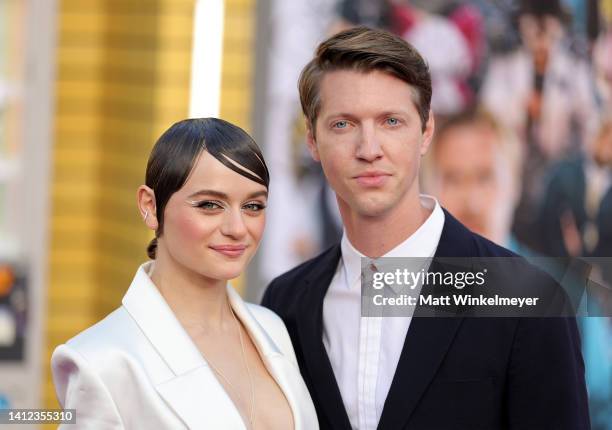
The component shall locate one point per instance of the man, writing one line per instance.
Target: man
(474, 169)
(366, 97)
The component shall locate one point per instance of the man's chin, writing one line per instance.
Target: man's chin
(367, 204)
(372, 208)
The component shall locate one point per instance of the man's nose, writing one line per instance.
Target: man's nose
(368, 147)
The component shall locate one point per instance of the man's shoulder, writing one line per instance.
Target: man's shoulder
(522, 276)
(458, 241)
(487, 248)
(295, 278)
(305, 269)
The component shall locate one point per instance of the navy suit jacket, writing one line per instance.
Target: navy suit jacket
(453, 373)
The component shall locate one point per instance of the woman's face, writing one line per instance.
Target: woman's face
(213, 224)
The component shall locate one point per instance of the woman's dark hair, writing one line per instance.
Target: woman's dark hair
(176, 151)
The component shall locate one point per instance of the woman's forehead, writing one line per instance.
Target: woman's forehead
(208, 173)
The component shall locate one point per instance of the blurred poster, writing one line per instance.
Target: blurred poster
(13, 313)
(296, 221)
(20, 338)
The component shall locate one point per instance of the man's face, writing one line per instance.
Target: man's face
(466, 166)
(369, 141)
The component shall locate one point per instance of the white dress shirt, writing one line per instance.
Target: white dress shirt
(364, 351)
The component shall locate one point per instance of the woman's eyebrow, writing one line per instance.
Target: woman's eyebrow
(214, 193)
(222, 195)
(262, 193)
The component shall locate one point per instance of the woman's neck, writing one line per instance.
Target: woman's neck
(197, 301)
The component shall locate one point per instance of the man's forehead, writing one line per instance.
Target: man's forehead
(350, 89)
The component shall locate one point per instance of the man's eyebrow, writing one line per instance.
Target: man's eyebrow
(393, 112)
(351, 116)
(340, 115)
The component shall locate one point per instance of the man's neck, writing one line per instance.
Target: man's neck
(376, 236)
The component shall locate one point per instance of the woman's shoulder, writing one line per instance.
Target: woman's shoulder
(116, 334)
(113, 345)
(102, 334)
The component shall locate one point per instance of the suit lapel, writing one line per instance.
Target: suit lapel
(425, 345)
(427, 340)
(322, 382)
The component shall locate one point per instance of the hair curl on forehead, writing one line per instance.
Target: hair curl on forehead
(365, 50)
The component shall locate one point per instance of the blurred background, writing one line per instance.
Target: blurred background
(522, 152)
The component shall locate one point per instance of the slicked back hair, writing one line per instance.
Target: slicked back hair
(365, 50)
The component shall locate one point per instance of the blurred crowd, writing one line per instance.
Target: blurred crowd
(523, 146)
(523, 106)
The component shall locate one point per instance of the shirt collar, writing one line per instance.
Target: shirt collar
(422, 243)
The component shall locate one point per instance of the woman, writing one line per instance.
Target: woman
(184, 350)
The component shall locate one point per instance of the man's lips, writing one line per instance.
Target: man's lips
(230, 250)
(372, 179)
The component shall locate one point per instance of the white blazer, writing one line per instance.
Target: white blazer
(139, 369)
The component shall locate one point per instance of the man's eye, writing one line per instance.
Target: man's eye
(392, 121)
(341, 124)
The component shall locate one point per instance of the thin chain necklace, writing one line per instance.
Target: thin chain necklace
(246, 364)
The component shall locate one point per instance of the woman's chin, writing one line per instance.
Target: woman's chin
(227, 274)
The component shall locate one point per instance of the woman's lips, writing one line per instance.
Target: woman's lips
(372, 179)
(232, 251)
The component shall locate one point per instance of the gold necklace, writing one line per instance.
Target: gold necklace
(246, 364)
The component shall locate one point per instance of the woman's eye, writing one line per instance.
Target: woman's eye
(340, 124)
(208, 205)
(254, 207)
(392, 121)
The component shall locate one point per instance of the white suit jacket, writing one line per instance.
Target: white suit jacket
(139, 369)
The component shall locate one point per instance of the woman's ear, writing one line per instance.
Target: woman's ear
(147, 207)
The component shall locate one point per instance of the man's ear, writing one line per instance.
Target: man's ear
(428, 133)
(311, 142)
(147, 206)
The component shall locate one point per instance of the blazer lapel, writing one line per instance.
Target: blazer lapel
(320, 375)
(427, 340)
(289, 379)
(286, 374)
(193, 393)
(200, 401)
(424, 348)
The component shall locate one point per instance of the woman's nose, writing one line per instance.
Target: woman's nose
(233, 224)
